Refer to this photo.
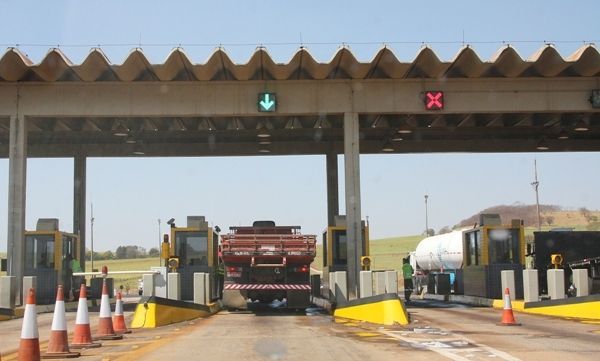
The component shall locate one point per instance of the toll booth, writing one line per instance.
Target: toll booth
(335, 249)
(487, 251)
(195, 249)
(47, 255)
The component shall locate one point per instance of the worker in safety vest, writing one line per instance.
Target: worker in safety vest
(407, 274)
(76, 281)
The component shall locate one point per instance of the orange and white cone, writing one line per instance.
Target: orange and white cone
(58, 346)
(29, 347)
(508, 319)
(105, 325)
(119, 318)
(82, 335)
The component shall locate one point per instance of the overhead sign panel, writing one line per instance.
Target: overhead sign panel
(267, 102)
(434, 100)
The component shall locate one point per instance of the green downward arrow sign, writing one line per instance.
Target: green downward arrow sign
(267, 102)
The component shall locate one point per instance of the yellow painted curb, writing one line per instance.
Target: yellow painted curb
(580, 307)
(385, 309)
(154, 312)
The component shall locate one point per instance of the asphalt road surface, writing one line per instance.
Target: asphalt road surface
(438, 332)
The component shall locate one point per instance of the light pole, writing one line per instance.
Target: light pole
(92, 237)
(426, 217)
(159, 243)
(535, 185)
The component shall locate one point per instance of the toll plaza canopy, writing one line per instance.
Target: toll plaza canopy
(178, 108)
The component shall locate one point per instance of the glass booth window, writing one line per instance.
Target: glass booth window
(192, 248)
(473, 248)
(39, 251)
(340, 253)
(325, 249)
(503, 246)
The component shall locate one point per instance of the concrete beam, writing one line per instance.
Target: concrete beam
(230, 98)
(17, 185)
(353, 211)
(79, 203)
(333, 203)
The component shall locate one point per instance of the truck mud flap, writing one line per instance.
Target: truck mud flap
(298, 299)
(235, 299)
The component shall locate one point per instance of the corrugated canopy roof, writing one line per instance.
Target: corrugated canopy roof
(546, 62)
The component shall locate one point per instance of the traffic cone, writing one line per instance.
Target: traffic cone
(58, 346)
(29, 347)
(105, 325)
(508, 319)
(119, 319)
(82, 335)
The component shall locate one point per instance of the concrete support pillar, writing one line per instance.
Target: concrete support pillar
(580, 282)
(79, 203)
(207, 288)
(391, 282)
(17, 181)
(200, 288)
(507, 280)
(333, 202)
(148, 290)
(531, 289)
(556, 284)
(366, 284)
(353, 211)
(29, 282)
(8, 290)
(379, 283)
(174, 286)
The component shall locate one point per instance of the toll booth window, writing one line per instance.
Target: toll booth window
(39, 251)
(473, 248)
(503, 246)
(192, 248)
(340, 253)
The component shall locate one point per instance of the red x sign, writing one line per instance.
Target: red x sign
(434, 100)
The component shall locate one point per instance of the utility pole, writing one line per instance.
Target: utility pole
(426, 217)
(159, 243)
(92, 237)
(536, 185)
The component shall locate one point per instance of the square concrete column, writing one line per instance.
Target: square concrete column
(353, 205)
(391, 282)
(173, 286)
(17, 185)
(379, 283)
(341, 288)
(331, 286)
(8, 290)
(333, 203)
(29, 282)
(556, 284)
(148, 290)
(366, 284)
(580, 282)
(160, 281)
(531, 290)
(199, 288)
(79, 203)
(507, 279)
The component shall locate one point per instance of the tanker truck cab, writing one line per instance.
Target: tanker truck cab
(48, 255)
(195, 249)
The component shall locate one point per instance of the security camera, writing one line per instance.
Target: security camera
(171, 222)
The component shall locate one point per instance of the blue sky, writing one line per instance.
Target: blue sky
(129, 195)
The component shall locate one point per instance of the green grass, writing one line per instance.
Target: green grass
(131, 281)
(386, 253)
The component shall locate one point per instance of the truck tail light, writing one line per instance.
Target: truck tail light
(234, 269)
(303, 268)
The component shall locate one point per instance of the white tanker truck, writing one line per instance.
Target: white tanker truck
(470, 260)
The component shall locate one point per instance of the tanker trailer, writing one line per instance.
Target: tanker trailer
(438, 258)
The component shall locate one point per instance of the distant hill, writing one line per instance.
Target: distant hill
(551, 216)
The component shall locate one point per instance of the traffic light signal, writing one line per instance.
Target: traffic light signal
(434, 100)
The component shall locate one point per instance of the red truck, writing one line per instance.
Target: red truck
(264, 263)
